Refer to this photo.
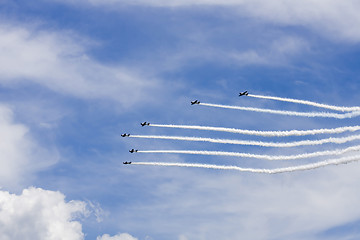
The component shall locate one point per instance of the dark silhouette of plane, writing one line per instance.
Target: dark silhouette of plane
(243, 93)
(125, 135)
(144, 124)
(133, 150)
(126, 162)
(195, 102)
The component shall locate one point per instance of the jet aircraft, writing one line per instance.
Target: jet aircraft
(126, 162)
(125, 135)
(144, 124)
(195, 102)
(133, 150)
(243, 93)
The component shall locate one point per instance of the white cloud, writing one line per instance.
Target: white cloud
(58, 61)
(20, 155)
(97, 211)
(39, 214)
(335, 19)
(120, 236)
(332, 18)
(279, 52)
(284, 206)
(182, 237)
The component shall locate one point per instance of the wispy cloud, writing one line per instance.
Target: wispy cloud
(279, 52)
(58, 61)
(20, 155)
(336, 20)
(274, 51)
(278, 206)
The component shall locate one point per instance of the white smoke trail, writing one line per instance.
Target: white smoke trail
(255, 143)
(314, 104)
(310, 166)
(265, 133)
(288, 113)
(258, 156)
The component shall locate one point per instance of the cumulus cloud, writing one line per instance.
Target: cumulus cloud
(20, 155)
(120, 236)
(39, 214)
(334, 19)
(58, 61)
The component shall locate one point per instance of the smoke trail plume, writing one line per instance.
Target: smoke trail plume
(265, 133)
(259, 156)
(288, 113)
(255, 143)
(314, 104)
(310, 166)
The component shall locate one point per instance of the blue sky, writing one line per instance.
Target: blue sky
(74, 76)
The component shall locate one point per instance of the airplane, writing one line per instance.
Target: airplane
(126, 162)
(243, 93)
(195, 102)
(133, 150)
(144, 123)
(125, 135)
